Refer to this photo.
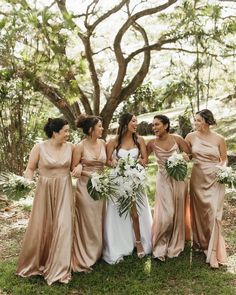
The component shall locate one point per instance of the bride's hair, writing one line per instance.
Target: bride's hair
(85, 122)
(123, 128)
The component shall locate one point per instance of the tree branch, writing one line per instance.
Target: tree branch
(107, 14)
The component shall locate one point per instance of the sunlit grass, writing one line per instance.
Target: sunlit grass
(132, 276)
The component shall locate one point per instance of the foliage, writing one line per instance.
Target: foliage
(18, 123)
(63, 51)
(198, 72)
(144, 100)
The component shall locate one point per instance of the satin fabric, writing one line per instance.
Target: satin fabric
(168, 231)
(207, 200)
(89, 215)
(47, 244)
(119, 238)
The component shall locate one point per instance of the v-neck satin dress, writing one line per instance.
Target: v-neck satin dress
(207, 200)
(46, 249)
(88, 232)
(168, 231)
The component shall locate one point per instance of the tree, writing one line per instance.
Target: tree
(42, 51)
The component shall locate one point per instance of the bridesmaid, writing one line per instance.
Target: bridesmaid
(206, 194)
(88, 156)
(122, 234)
(168, 231)
(47, 244)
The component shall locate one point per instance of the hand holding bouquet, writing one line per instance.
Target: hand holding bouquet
(15, 186)
(226, 175)
(176, 167)
(101, 185)
(130, 179)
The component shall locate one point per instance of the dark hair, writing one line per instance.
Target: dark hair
(86, 122)
(165, 120)
(207, 116)
(123, 127)
(54, 125)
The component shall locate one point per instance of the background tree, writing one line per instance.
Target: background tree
(80, 56)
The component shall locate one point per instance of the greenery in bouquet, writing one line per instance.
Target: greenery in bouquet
(15, 186)
(176, 167)
(101, 185)
(226, 175)
(130, 179)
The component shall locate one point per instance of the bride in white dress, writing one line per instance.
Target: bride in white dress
(123, 234)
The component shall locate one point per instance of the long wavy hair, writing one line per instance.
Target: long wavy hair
(123, 128)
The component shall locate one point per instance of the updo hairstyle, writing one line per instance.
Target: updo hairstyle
(54, 125)
(207, 116)
(85, 122)
(164, 120)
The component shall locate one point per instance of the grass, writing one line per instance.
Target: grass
(187, 274)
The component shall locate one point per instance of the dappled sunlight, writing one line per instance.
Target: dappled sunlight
(147, 267)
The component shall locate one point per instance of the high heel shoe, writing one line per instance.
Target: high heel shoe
(140, 250)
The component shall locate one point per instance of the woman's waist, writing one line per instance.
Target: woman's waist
(54, 173)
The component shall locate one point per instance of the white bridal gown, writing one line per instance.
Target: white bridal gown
(119, 238)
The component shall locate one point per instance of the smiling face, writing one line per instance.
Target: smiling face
(200, 123)
(158, 127)
(63, 134)
(133, 124)
(97, 130)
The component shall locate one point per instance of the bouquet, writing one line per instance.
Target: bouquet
(176, 167)
(226, 175)
(129, 177)
(15, 186)
(101, 185)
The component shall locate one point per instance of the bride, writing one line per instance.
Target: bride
(123, 234)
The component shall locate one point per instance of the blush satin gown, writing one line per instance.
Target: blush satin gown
(46, 249)
(168, 231)
(89, 215)
(207, 200)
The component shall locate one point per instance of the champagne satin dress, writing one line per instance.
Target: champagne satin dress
(168, 230)
(47, 244)
(88, 232)
(207, 200)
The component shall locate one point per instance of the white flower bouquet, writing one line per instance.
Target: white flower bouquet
(226, 175)
(176, 167)
(130, 179)
(101, 185)
(15, 186)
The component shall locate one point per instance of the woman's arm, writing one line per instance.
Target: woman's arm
(183, 146)
(76, 166)
(110, 147)
(223, 151)
(143, 151)
(32, 163)
(149, 147)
